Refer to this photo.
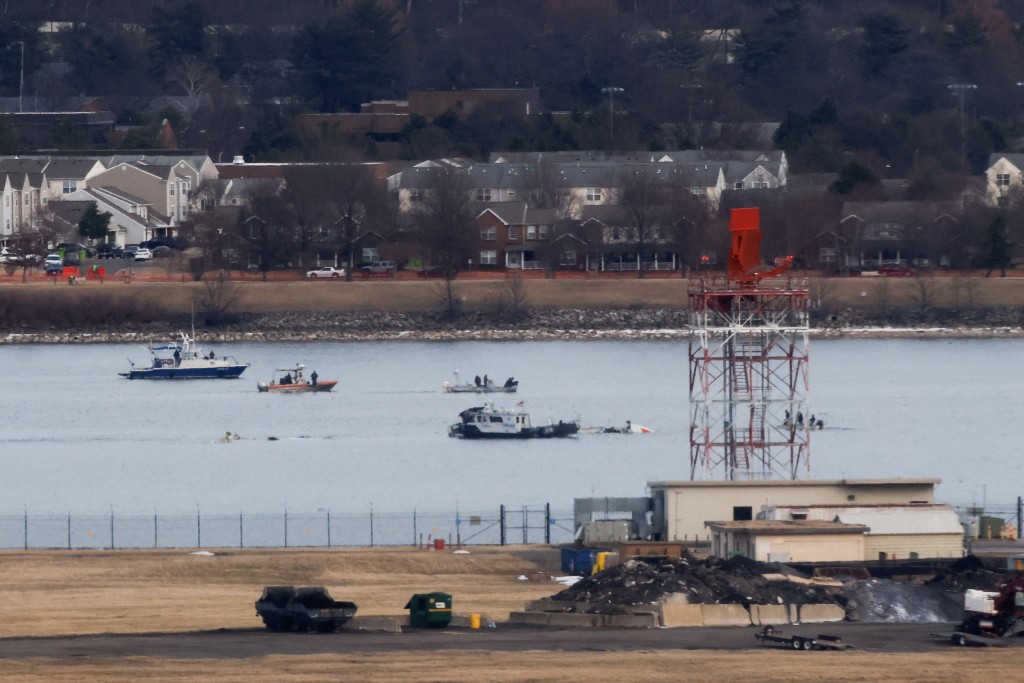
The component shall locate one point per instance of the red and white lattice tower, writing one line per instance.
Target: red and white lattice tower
(748, 367)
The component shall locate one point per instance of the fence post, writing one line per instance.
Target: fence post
(199, 529)
(241, 531)
(526, 524)
(414, 535)
(156, 537)
(501, 521)
(25, 527)
(1020, 509)
(371, 525)
(547, 523)
(111, 527)
(285, 526)
(328, 527)
(458, 527)
(69, 531)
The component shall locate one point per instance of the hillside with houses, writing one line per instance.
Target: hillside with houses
(554, 135)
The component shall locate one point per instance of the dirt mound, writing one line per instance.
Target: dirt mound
(737, 580)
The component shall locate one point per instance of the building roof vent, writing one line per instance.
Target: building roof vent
(238, 159)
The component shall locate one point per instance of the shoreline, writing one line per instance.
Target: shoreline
(209, 336)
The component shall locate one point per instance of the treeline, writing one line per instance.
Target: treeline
(915, 87)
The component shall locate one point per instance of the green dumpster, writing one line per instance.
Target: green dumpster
(430, 610)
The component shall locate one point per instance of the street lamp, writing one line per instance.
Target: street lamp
(962, 88)
(611, 111)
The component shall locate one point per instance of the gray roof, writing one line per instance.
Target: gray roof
(518, 213)
(905, 521)
(873, 212)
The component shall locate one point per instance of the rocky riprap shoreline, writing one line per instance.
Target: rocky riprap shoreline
(534, 325)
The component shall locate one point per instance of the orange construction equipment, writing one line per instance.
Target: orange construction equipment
(744, 264)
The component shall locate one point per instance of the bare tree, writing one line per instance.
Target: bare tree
(445, 226)
(924, 291)
(268, 228)
(645, 195)
(217, 300)
(542, 186)
(195, 78)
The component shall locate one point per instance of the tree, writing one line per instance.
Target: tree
(852, 175)
(176, 32)
(997, 254)
(347, 58)
(884, 38)
(94, 225)
(645, 200)
(268, 229)
(445, 227)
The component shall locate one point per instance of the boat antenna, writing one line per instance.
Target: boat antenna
(192, 308)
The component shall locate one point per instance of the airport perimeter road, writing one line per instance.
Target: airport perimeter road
(240, 644)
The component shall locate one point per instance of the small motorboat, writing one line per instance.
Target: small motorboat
(294, 382)
(185, 360)
(480, 386)
(489, 422)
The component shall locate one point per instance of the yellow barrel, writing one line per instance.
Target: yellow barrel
(474, 621)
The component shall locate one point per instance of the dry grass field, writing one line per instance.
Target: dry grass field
(172, 295)
(80, 592)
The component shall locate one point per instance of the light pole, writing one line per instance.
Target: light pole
(690, 87)
(611, 109)
(962, 88)
(21, 81)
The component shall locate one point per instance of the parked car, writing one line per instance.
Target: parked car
(129, 250)
(895, 270)
(109, 250)
(8, 256)
(378, 267)
(142, 254)
(54, 263)
(161, 251)
(326, 271)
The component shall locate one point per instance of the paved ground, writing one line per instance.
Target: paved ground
(241, 644)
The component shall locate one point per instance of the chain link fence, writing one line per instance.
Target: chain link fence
(321, 529)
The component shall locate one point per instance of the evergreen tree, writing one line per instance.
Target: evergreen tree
(998, 254)
(93, 224)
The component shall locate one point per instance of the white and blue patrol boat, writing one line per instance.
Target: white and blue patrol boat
(185, 360)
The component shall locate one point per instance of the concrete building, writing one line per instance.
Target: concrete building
(897, 532)
(768, 540)
(682, 507)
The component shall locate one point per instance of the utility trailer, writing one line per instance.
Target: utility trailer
(796, 642)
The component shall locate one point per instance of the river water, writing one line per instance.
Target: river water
(77, 438)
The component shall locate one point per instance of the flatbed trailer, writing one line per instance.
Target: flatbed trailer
(963, 638)
(769, 634)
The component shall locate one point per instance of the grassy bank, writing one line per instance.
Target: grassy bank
(42, 306)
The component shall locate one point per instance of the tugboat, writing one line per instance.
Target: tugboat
(293, 382)
(488, 422)
(186, 360)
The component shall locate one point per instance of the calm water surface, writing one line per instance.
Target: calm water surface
(77, 438)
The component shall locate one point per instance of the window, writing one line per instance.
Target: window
(742, 514)
(738, 185)
(184, 211)
(371, 254)
(513, 232)
(569, 257)
(616, 234)
(69, 186)
(170, 189)
(827, 255)
(531, 232)
(24, 200)
(542, 232)
(489, 233)
(1003, 179)
(699, 191)
(254, 230)
(593, 194)
(483, 194)
(488, 257)
(415, 195)
(760, 185)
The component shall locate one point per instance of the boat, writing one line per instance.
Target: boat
(630, 428)
(185, 360)
(294, 382)
(480, 386)
(489, 422)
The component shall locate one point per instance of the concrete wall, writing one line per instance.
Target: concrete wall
(689, 504)
(899, 546)
(823, 548)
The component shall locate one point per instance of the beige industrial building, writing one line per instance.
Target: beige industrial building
(896, 532)
(680, 508)
(789, 541)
